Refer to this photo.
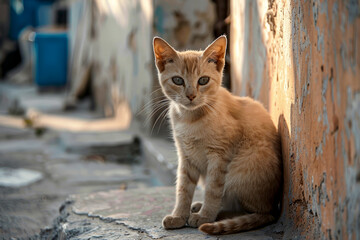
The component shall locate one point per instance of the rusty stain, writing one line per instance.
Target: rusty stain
(270, 15)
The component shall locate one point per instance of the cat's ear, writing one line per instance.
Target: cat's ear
(215, 52)
(164, 53)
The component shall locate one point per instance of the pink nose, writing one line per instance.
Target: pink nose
(191, 97)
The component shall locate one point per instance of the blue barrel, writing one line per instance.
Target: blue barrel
(25, 13)
(50, 59)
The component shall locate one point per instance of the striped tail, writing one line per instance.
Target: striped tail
(237, 224)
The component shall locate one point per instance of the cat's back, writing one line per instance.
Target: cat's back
(252, 122)
(253, 115)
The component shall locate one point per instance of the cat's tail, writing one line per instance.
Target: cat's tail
(237, 224)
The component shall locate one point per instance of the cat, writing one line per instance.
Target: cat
(228, 142)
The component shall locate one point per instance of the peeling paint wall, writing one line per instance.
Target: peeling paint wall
(301, 59)
(111, 42)
(123, 51)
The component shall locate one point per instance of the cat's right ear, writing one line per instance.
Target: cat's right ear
(163, 52)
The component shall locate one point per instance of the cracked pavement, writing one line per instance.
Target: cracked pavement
(131, 214)
(26, 209)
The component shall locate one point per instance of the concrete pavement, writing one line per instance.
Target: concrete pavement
(94, 185)
(131, 214)
(28, 207)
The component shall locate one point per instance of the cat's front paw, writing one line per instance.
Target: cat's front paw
(173, 222)
(195, 220)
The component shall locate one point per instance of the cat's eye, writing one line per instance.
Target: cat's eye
(177, 80)
(210, 60)
(203, 80)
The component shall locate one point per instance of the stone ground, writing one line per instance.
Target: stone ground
(26, 209)
(94, 185)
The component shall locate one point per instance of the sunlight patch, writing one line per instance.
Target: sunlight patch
(20, 177)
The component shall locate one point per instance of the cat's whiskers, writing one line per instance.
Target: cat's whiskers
(209, 109)
(152, 102)
(160, 105)
(155, 91)
(210, 106)
(161, 115)
(215, 104)
(150, 105)
(164, 117)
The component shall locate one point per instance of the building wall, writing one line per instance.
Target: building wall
(185, 24)
(111, 43)
(301, 59)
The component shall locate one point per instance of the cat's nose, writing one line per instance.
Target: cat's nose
(191, 96)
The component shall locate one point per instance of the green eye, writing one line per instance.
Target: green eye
(178, 80)
(203, 80)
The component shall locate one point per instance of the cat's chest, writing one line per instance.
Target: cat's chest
(195, 151)
(194, 141)
(190, 131)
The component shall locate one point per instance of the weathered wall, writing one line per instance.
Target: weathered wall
(185, 24)
(111, 44)
(302, 60)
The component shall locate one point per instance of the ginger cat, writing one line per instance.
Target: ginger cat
(228, 141)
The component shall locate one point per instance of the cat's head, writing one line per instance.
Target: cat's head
(190, 78)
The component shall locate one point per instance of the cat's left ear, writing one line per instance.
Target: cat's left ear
(216, 51)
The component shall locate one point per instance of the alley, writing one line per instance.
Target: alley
(86, 146)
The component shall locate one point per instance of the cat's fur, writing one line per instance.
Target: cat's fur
(230, 142)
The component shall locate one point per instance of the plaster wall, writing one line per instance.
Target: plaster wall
(301, 59)
(111, 42)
